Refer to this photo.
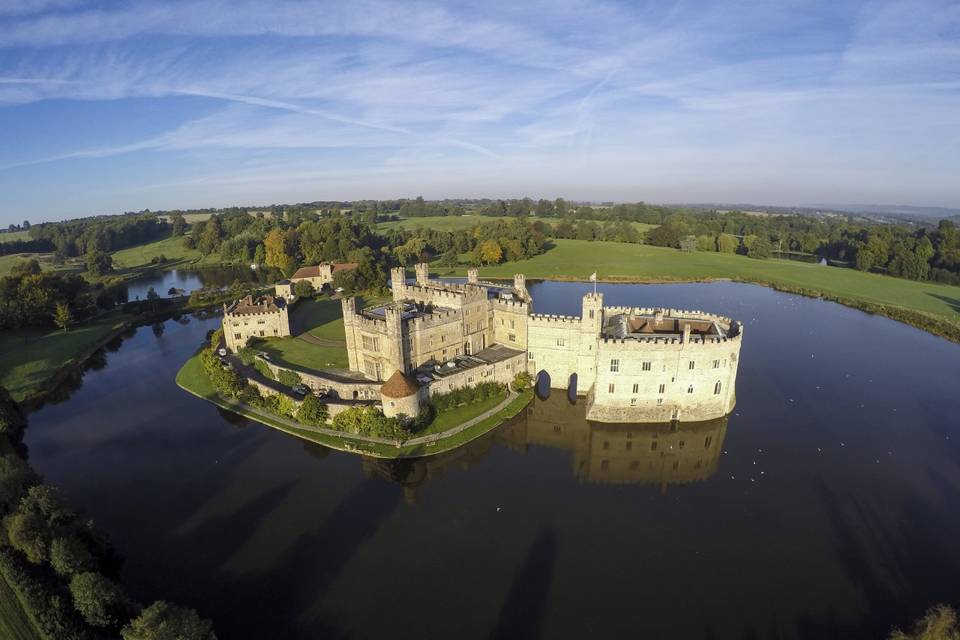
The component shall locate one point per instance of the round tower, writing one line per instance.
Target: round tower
(400, 395)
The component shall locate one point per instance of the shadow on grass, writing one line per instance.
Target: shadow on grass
(953, 303)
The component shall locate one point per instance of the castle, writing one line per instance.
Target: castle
(248, 318)
(632, 364)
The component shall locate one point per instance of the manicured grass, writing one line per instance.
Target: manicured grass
(140, 255)
(458, 415)
(321, 317)
(45, 260)
(577, 259)
(303, 354)
(31, 357)
(16, 235)
(14, 622)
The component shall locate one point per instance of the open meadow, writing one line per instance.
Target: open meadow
(613, 261)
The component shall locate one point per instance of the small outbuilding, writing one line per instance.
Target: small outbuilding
(400, 394)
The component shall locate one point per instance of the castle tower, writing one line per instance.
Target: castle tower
(520, 285)
(591, 321)
(423, 273)
(473, 275)
(398, 281)
(400, 395)
(393, 349)
(349, 306)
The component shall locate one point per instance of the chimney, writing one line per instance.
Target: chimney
(686, 332)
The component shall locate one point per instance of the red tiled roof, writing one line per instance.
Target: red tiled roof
(344, 266)
(398, 386)
(307, 272)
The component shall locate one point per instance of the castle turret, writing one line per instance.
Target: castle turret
(423, 273)
(349, 306)
(520, 285)
(473, 276)
(393, 349)
(591, 322)
(398, 278)
(400, 395)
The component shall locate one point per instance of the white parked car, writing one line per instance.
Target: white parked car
(222, 352)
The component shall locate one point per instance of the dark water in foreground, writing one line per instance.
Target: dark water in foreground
(825, 507)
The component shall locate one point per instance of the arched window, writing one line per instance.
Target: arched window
(716, 388)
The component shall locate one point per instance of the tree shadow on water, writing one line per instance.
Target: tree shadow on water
(525, 606)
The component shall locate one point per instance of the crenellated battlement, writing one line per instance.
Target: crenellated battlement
(510, 305)
(435, 319)
(553, 320)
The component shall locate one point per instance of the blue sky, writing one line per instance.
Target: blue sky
(113, 106)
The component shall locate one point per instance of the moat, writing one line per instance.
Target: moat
(824, 506)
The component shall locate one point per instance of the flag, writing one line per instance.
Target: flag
(593, 277)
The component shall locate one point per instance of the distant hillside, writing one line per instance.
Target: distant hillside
(896, 209)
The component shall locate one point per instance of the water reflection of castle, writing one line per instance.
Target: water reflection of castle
(603, 453)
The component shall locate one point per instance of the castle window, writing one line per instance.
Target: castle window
(557, 428)
(676, 465)
(614, 365)
(591, 314)
(691, 365)
(512, 324)
(629, 446)
(610, 388)
(659, 401)
(261, 334)
(530, 355)
(646, 366)
(681, 444)
(716, 364)
(371, 344)
(636, 387)
(707, 442)
(662, 388)
(653, 446)
(716, 388)
(690, 389)
(560, 342)
(236, 336)
(512, 337)
(606, 444)
(633, 402)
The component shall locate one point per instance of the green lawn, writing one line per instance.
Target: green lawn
(577, 259)
(303, 354)
(458, 415)
(16, 235)
(14, 622)
(31, 357)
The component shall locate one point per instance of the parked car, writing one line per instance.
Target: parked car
(301, 389)
(222, 352)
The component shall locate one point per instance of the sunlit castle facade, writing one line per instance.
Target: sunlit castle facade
(633, 364)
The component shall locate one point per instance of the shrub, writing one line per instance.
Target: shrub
(69, 556)
(367, 421)
(16, 477)
(247, 356)
(289, 378)
(264, 369)
(312, 411)
(303, 289)
(522, 381)
(939, 623)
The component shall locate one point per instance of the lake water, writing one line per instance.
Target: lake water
(189, 280)
(824, 507)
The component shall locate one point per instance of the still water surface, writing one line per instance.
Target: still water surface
(824, 507)
(189, 280)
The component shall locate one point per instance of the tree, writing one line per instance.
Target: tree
(62, 316)
(760, 247)
(16, 478)
(938, 623)
(29, 267)
(727, 243)
(259, 254)
(26, 225)
(99, 600)
(165, 621)
(278, 248)
(12, 419)
(489, 252)
(69, 556)
(29, 534)
(303, 288)
(522, 381)
(210, 236)
(688, 243)
(99, 263)
(179, 226)
(312, 411)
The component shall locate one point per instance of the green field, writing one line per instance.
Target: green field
(577, 259)
(14, 622)
(31, 357)
(305, 355)
(16, 235)
(141, 255)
